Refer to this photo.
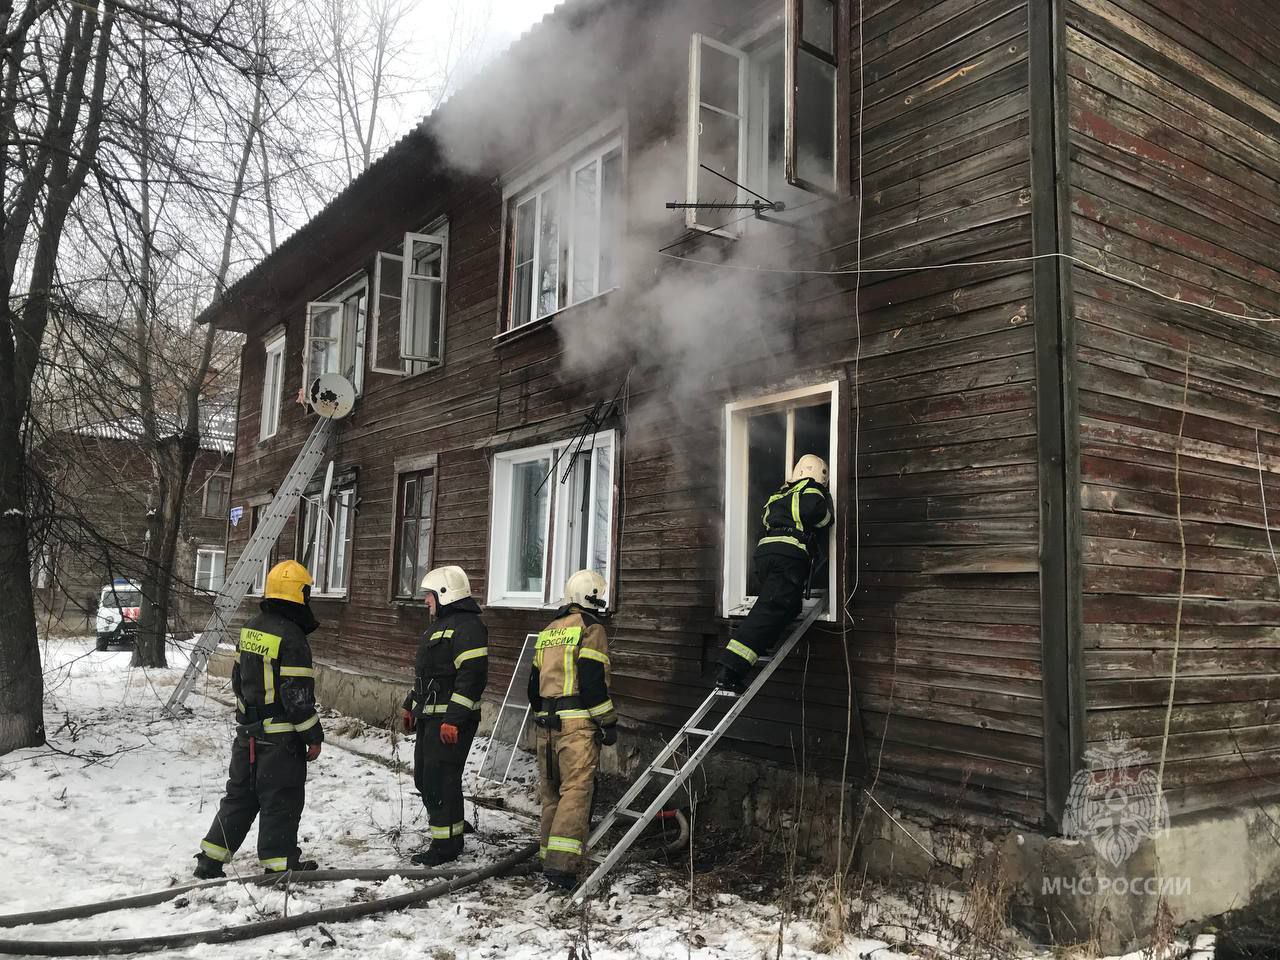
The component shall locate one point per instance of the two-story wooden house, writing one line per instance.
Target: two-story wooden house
(1007, 264)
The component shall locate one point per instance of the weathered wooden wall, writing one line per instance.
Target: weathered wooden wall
(944, 635)
(1175, 183)
(947, 639)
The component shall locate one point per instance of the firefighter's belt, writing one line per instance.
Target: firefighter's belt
(431, 684)
(256, 715)
(786, 532)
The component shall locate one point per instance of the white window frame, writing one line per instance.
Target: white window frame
(535, 196)
(420, 465)
(697, 42)
(597, 156)
(272, 387)
(210, 552)
(327, 535)
(555, 550)
(336, 300)
(438, 233)
(375, 310)
(779, 35)
(557, 172)
(734, 600)
(259, 585)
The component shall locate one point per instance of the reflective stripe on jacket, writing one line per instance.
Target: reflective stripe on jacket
(793, 514)
(570, 675)
(274, 678)
(452, 665)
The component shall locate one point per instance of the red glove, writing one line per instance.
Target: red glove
(313, 751)
(408, 720)
(448, 733)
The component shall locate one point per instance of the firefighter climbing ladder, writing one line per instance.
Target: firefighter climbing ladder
(255, 555)
(696, 739)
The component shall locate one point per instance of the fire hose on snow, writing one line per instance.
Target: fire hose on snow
(452, 880)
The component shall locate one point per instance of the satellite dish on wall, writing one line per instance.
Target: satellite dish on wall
(332, 396)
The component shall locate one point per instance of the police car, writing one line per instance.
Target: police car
(119, 607)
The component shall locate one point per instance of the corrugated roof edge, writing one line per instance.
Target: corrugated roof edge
(422, 128)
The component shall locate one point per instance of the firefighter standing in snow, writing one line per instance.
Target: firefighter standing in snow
(569, 693)
(277, 730)
(782, 561)
(444, 706)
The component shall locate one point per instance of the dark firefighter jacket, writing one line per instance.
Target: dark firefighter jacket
(452, 666)
(793, 517)
(570, 675)
(274, 678)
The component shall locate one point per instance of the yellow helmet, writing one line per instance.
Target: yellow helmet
(286, 581)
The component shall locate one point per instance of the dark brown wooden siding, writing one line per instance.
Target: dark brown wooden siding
(1175, 177)
(943, 632)
(947, 663)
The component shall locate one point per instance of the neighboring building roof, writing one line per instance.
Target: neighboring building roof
(244, 296)
(217, 429)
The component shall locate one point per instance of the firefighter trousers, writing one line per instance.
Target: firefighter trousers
(437, 773)
(782, 579)
(567, 761)
(269, 783)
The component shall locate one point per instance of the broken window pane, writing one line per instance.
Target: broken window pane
(325, 330)
(813, 432)
(766, 472)
(720, 79)
(718, 148)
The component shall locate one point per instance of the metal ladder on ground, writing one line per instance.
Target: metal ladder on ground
(251, 560)
(693, 737)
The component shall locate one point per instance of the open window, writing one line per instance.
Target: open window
(409, 300)
(763, 114)
(335, 334)
(422, 298)
(765, 437)
(564, 233)
(553, 514)
(812, 70)
(324, 538)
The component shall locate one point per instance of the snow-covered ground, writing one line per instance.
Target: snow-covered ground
(117, 802)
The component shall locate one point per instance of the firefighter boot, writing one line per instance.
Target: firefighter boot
(560, 880)
(729, 682)
(302, 866)
(439, 852)
(207, 868)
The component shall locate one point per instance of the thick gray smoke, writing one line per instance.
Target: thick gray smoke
(693, 324)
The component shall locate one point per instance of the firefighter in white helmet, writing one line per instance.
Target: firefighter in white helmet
(569, 693)
(451, 671)
(783, 559)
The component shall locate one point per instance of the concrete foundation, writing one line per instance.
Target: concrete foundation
(1064, 891)
(1059, 890)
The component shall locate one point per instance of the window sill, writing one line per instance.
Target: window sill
(501, 604)
(409, 603)
(342, 597)
(526, 329)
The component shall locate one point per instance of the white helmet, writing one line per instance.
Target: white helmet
(810, 467)
(586, 588)
(449, 584)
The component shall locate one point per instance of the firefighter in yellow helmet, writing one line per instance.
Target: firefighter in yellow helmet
(569, 693)
(277, 730)
(450, 673)
(793, 520)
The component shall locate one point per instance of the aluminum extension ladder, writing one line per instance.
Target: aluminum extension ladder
(255, 554)
(676, 774)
